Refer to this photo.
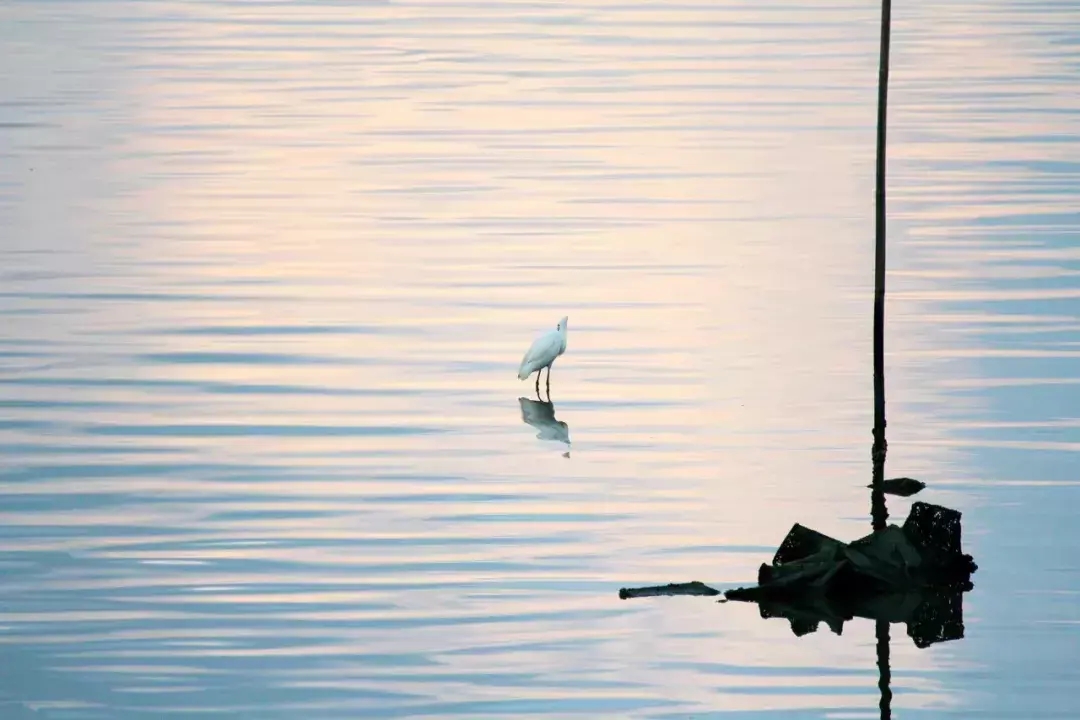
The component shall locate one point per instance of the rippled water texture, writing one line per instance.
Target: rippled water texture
(267, 270)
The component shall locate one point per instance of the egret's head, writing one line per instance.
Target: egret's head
(561, 327)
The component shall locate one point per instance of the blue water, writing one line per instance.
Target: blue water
(267, 270)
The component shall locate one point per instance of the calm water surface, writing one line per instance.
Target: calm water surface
(267, 270)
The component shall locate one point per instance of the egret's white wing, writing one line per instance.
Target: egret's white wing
(541, 353)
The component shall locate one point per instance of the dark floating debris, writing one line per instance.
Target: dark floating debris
(915, 574)
(903, 487)
(924, 553)
(690, 588)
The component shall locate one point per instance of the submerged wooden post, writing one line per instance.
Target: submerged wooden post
(884, 671)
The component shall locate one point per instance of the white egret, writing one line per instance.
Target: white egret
(542, 354)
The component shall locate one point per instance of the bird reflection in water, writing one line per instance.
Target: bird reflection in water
(540, 414)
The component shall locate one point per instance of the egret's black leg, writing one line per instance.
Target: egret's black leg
(549, 383)
(538, 381)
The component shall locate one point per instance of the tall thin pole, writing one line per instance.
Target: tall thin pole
(879, 250)
(879, 513)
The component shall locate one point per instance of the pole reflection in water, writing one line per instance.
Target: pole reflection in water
(884, 671)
